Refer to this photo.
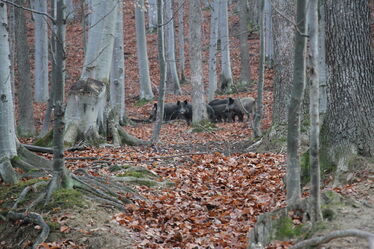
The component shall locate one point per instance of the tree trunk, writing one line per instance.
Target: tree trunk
(152, 14)
(181, 40)
(213, 50)
(261, 71)
(314, 112)
(117, 75)
(163, 67)
(141, 45)
(349, 122)
(294, 109)
(268, 29)
(322, 60)
(41, 52)
(226, 75)
(254, 12)
(7, 132)
(172, 80)
(199, 112)
(283, 58)
(26, 125)
(245, 76)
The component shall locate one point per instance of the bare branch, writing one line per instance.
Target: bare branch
(31, 10)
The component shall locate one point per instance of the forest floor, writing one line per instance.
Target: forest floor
(220, 184)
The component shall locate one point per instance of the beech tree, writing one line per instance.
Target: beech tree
(181, 40)
(294, 108)
(268, 30)
(198, 102)
(347, 128)
(41, 52)
(141, 48)
(226, 74)
(152, 14)
(26, 125)
(172, 79)
(213, 50)
(117, 74)
(243, 36)
(88, 114)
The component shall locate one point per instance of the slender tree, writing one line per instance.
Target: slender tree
(213, 50)
(181, 40)
(268, 29)
(152, 14)
(261, 71)
(322, 59)
(117, 74)
(26, 125)
(163, 67)
(294, 109)
(314, 112)
(41, 52)
(245, 75)
(226, 75)
(198, 103)
(141, 45)
(172, 79)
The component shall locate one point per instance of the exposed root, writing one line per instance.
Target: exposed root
(33, 218)
(128, 139)
(7, 172)
(25, 191)
(334, 235)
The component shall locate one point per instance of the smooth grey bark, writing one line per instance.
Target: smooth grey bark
(61, 176)
(245, 75)
(268, 29)
(7, 131)
(70, 9)
(117, 74)
(226, 74)
(12, 42)
(284, 37)
(152, 14)
(294, 108)
(322, 59)
(261, 77)
(141, 48)
(213, 50)
(199, 112)
(41, 52)
(163, 65)
(181, 40)
(172, 80)
(254, 12)
(315, 174)
(96, 20)
(349, 121)
(26, 125)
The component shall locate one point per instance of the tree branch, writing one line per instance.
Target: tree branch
(31, 10)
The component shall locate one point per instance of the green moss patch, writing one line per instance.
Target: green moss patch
(142, 102)
(204, 126)
(45, 141)
(285, 229)
(66, 198)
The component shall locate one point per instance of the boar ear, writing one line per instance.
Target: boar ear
(155, 105)
(231, 101)
(178, 103)
(186, 102)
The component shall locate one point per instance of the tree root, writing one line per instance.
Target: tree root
(25, 191)
(33, 218)
(334, 235)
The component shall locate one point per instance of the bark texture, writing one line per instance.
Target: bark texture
(284, 36)
(349, 123)
(26, 125)
(198, 103)
(244, 50)
(294, 108)
(141, 45)
(213, 50)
